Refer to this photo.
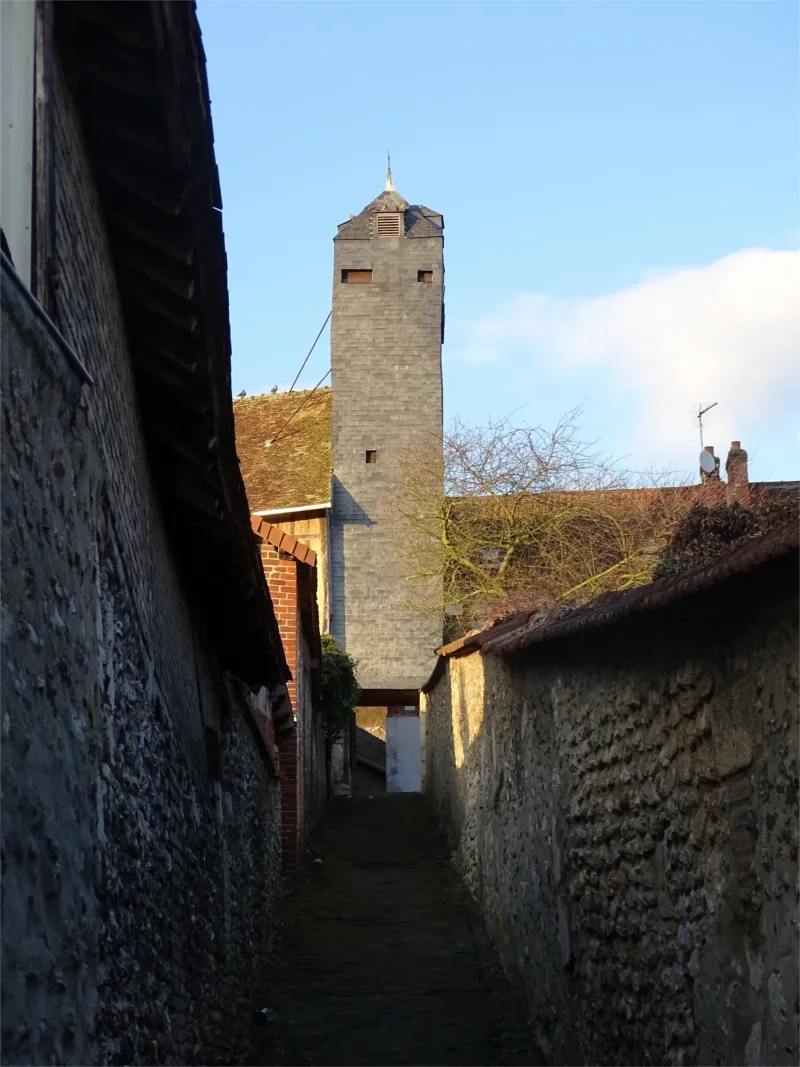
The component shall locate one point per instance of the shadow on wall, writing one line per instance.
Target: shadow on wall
(346, 509)
(627, 820)
(140, 818)
(367, 783)
(371, 750)
(369, 771)
(345, 512)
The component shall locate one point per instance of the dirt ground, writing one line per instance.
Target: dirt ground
(382, 958)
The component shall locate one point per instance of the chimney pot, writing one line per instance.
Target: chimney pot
(738, 487)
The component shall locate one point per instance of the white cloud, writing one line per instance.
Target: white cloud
(728, 331)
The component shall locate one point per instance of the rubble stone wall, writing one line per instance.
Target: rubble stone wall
(624, 807)
(141, 820)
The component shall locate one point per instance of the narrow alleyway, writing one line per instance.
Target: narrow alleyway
(382, 958)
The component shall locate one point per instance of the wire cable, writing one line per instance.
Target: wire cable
(325, 323)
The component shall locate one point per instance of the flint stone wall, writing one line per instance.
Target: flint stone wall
(140, 829)
(624, 807)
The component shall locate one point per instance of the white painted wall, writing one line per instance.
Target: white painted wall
(423, 736)
(403, 754)
(17, 31)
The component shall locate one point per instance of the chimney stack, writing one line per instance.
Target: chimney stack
(712, 476)
(738, 487)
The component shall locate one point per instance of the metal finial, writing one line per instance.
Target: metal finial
(389, 187)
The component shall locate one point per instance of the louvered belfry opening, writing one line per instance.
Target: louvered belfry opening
(388, 225)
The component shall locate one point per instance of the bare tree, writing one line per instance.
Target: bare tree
(512, 518)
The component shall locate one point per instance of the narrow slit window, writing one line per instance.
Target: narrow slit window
(424, 275)
(388, 225)
(357, 277)
(372, 455)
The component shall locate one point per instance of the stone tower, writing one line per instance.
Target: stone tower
(386, 362)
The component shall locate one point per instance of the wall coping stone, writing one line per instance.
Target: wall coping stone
(32, 318)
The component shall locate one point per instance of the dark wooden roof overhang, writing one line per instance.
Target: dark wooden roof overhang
(383, 698)
(137, 70)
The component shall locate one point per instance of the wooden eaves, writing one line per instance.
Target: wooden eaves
(137, 70)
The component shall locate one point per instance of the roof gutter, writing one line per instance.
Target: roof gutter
(291, 511)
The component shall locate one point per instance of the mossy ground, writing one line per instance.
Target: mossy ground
(382, 958)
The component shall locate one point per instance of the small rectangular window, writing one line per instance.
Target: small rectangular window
(357, 277)
(424, 275)
(388, 225)
(372, 455)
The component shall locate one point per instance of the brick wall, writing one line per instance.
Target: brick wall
(314, 533)
(303, 759)
(387, 393)
(624, 804)
(140, 817)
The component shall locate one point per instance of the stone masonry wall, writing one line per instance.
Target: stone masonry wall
(387, 395)
(624, 806)
(140, 818)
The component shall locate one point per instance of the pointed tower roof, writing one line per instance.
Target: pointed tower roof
(420, 221)
(390, 199)
(389, 187)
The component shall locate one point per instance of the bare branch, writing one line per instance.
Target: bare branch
(502, 515)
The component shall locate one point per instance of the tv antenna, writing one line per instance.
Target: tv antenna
(700, 413)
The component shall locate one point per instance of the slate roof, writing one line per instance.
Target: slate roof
(294, 471)
(420, 221)
(389, 200)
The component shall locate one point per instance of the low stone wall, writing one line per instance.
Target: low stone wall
(624, 807)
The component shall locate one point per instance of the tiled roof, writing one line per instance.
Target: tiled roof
(283, 541)
(295, 470)
(528, 628)
(762, 489)
(613, 607)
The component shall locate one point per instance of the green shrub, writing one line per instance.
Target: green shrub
(339, 688)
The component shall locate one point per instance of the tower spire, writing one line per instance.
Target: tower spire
(389, 187)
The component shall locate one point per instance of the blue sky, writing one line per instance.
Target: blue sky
(620, 189)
